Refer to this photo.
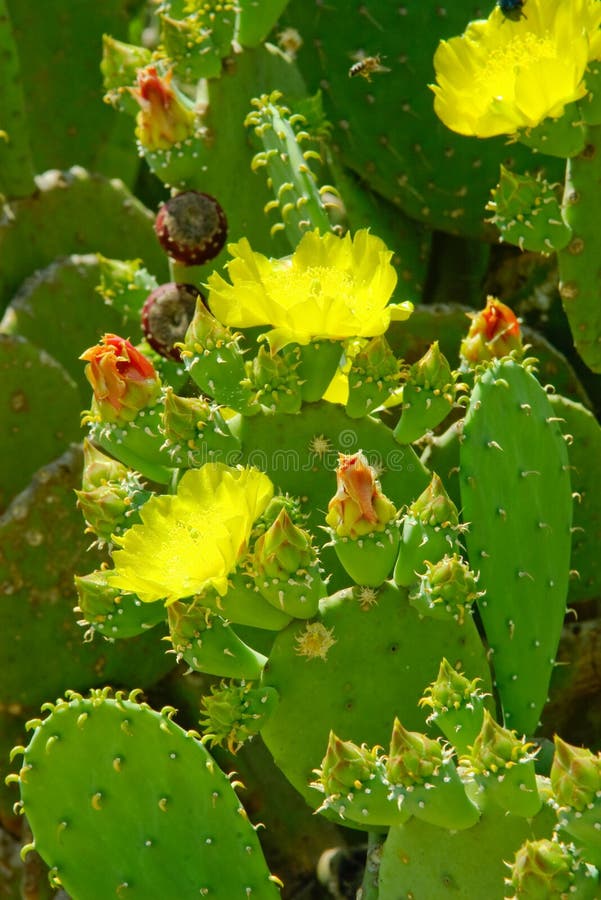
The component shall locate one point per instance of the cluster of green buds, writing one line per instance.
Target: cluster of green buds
(447, 588)
(430, 531)
(416, 777)
(234, 713)
(284, 561)
(110, 494)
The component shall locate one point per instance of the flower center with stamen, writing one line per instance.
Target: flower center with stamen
(523, 51)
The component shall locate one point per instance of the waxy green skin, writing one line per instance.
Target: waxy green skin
(516, 495)
(578, 285)
(384, 654)
(129, 785)
(382, 644)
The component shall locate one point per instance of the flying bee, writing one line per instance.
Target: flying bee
(366, 66)
(512, 9)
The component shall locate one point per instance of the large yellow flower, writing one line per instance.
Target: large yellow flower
(193, 539)
(330, 288)
(504, 75)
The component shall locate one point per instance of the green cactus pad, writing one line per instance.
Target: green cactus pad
(431, 862)
(527, 213)
(583, 451)
(122, 802)
(59, 309)
(57, 220)
(385, 128)
(59, 44)
(34, 388)
(257, 20)
(43, 648)
(365, 659)
(282, 136)
(300, 455)
(516, 496)
(578, 284)
(16, 160)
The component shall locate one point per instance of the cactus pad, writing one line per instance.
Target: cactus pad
(516, 495)
(352, 670)
(42, 646)
(120, 798)
(35, 388)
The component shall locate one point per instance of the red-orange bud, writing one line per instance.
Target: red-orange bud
(494, 332)
(123, 379)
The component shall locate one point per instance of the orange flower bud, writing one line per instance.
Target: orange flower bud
(494, 333)
(163, 119)
(123, 380)
(358, 506)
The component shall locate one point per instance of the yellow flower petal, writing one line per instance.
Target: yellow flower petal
(330, 288)
(191, 540)
(502, 75)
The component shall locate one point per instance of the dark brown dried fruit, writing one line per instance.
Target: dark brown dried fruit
(166, 314)
(191, 227)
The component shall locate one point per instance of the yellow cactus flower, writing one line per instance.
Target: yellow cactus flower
(330, 288)
(503, 75)
(190, 541)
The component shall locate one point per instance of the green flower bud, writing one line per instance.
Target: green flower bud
(234, 713)
(549, 870)
(447, 588)
(125, 284)
(424, 780)
(428, 396)
(111, 494)
(413, 758)
(353, 781)
(195, 431)
(430, 530)
(373, 376)
(111, 612)
(576, 785)
(434, 507)
(575, 775)
(212, 356)
(457, 706)
(274, 379)
(504, 766)
(346, 766)
(283, 549)
(285, 565)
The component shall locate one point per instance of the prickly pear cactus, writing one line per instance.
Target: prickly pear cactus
(363, 637)
(42, 542)
(349, 517)
(108, 793)
(26, 400)
(516, 495)
(384, 125)
(53, 222)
